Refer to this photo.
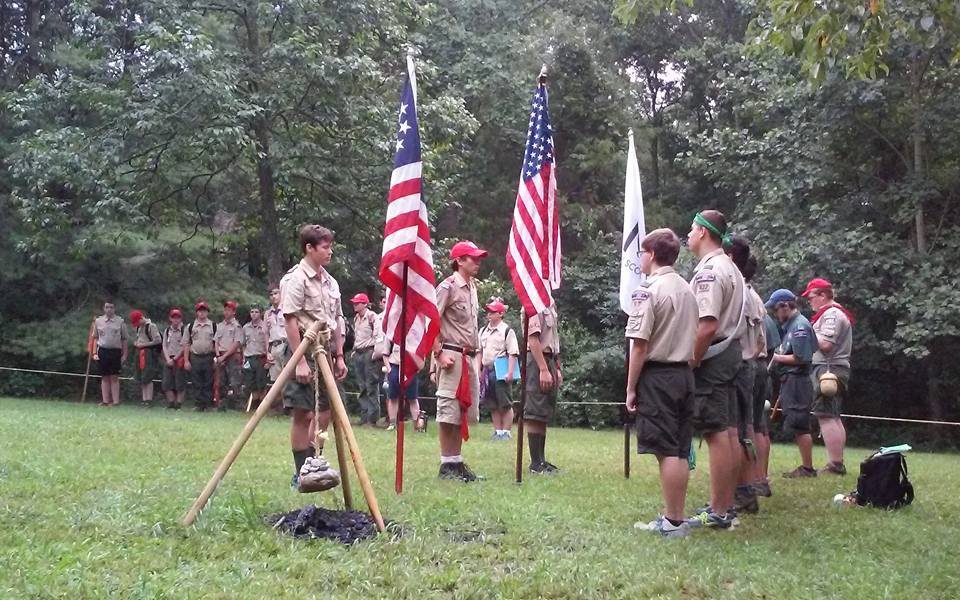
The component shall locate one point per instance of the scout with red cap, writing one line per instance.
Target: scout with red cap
(198, 349)
(455, 359)
(499, 343)
(228, 360)
(833, 325)
(149, 358)
(174, 379)
(366, 370)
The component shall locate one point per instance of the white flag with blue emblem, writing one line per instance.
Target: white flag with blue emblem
(634, 230)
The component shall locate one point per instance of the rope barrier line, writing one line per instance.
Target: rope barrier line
(565, 403)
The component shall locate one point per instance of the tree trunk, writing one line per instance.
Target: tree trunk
(271, 246)
(916, 79)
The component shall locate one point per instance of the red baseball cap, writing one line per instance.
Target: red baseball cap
(817, 284)
(360, 298)
(136, 316)
(230, 304)
(174, 312)
(496, 306)
(466, 248)
(201, 306)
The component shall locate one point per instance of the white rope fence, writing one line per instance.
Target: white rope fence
(864, 417)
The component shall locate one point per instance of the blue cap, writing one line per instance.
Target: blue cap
(779, 296)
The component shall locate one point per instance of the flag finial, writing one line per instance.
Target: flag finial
(542, 78)
(630, 132)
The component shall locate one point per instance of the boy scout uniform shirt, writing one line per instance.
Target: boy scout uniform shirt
(311, 295)
(111, 333)
(254, 339)
(834, 326)
(276, 327)
(664, 313)
(148, 334)
(800, 341)
(753, 313)
(201, 337)
(457, 304)
(228, 333)
(771, 334)
(545, 324)
(719, 289)
(173, 341)
(498, 341)
(364, 331)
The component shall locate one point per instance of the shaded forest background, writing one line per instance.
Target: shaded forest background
(163, 151)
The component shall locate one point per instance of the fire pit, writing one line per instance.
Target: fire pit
(313, 522)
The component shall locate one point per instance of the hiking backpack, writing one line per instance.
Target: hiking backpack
(883, 481)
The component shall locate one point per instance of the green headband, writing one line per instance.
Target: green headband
(703, 222)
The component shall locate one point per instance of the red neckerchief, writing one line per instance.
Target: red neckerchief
(820, 312)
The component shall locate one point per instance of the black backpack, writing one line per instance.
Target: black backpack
(883, 481)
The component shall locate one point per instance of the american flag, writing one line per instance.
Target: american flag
(406, 265)
(533, 254)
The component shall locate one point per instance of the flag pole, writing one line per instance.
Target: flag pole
(402, 380)
(90, 351)
(523, 395)
(626, 418)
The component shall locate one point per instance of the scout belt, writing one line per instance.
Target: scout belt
(461, 350)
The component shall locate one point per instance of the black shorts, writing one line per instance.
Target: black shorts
(761, 393)
(109, 363)
(497, 396)
(715, 399)
(745, 383)
(665, 410)
(255, 373)
(796, 400)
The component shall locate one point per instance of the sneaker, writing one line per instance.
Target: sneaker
(712, 520)
(551, 468)
(507, 435)
(538, 469)
(762, 488)
(745, 500)
(466, 474)
(801, 472)
(496, 437)
(648, 525)
(391, 427)
(667, 529)
(833, 468)
(449, 471)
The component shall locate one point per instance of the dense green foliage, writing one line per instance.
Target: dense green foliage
(163, 151)
(96, 514)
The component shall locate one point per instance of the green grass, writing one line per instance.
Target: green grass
(91, 502)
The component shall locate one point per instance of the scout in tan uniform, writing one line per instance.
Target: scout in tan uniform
(254, 335)
(499, 341)
(455, 356)
(543, 384)
(366, 370)
(662, 327)
(719, 289)
(198, 356)
(110, 335)
(308, 293)
(229, 359)
(174, 345)
(149, 354)
(833, 325)
(278, 351)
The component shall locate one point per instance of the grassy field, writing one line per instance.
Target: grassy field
(91, 499)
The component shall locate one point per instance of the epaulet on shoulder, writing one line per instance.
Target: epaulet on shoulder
(645, 283)
(446, 283)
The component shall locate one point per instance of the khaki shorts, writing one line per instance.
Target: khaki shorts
(280, 354)
(715, 400)
(540, 406)
(448, 407)
(301, 395)
(829, 407)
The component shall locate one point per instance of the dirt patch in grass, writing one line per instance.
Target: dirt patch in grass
(311, 521)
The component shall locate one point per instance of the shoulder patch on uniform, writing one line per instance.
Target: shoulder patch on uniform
(640, 295)
(800, 333)
(707, 266)
(705, 277)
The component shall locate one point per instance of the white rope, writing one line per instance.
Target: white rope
(865, 417)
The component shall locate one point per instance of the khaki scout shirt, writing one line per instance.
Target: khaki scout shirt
(173, 341)
(761, 328)
(110, 333)
(664, 312)
(457, 304)
(276, 326)
(364, 331)
(228, 333)
(498, 341)
(753, 324)
(718, 287)
(834, 326)
(148, 334)
(545, 325)
(254, 339)
(311, 295)
(201, 337)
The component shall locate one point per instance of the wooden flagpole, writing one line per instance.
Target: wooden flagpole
(402, 380)
(523, 395)
(626, 423)
(90, 351)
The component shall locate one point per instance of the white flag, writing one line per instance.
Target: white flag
(634, 230)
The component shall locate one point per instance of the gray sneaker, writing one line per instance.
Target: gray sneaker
(711, 520)
(801, 472)
(833, 468)
(762, 488)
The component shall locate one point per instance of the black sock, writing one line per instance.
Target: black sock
(536, 448)
(674, 523)
(300, 457)
(543, 446)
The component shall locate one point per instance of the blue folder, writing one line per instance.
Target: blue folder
(500, 364)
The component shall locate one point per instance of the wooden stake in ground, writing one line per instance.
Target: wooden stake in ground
(262, 410)
(342, 425)
(90, 350)
(249, 402)
(342, 463)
